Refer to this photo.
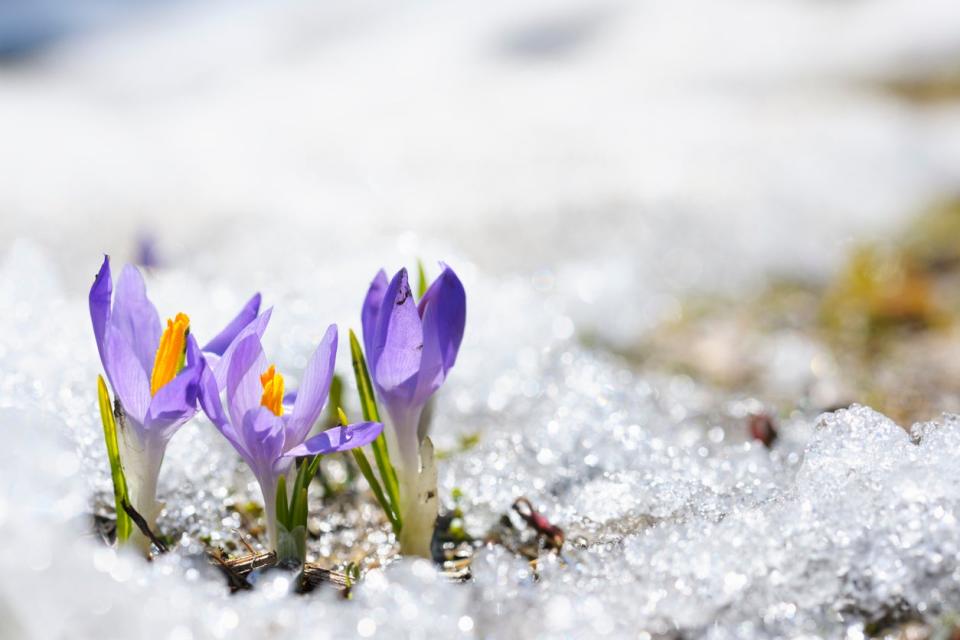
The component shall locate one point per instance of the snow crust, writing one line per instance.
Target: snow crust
(582, 165)
(674, 522)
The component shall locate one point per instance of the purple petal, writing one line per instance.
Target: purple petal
(135, 317)
(209, 398)
(244, 389)
(256, 327)
(176, 401)
(398, 341)
(371, 311)
(262, 436)
(127, 376)
(313, 390)
(100, 295)
(338, 439)
(444, 309)
(223, 339)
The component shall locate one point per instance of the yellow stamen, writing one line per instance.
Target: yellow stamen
(272, 390)
(170, 353)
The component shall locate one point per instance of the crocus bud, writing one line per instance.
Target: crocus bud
(410, 348)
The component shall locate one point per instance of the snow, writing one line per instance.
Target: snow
(582, 166)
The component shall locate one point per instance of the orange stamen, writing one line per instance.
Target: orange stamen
(272, 397)
(170, 353)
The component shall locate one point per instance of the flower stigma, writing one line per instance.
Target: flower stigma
(272, 397)
(171, 352)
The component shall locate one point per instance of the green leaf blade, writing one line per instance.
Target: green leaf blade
(124, 523)
(371, 479)
(368, 404)
(421, 279)
(283, 513)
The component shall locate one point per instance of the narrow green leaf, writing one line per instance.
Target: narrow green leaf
(300, 489)
(387, 472)
(368, 403)
(421, 279)
(299, 515)
(312, 468)
(334, 400)
(367, 472)
(283, 513)
(300, 481)
(124, 524)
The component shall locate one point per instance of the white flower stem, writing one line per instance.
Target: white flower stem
(141, 466)
(269, 490)
(412, 458)
(268, 487)
(419, 504)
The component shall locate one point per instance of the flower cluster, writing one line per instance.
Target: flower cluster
(160, 377)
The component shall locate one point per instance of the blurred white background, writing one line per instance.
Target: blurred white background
(617, 146)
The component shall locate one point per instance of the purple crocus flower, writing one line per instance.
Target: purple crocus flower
(410, 348)
(154, 373)
(256, 424)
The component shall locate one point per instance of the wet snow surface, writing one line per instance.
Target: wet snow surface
(695, 175)
(674, 522)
